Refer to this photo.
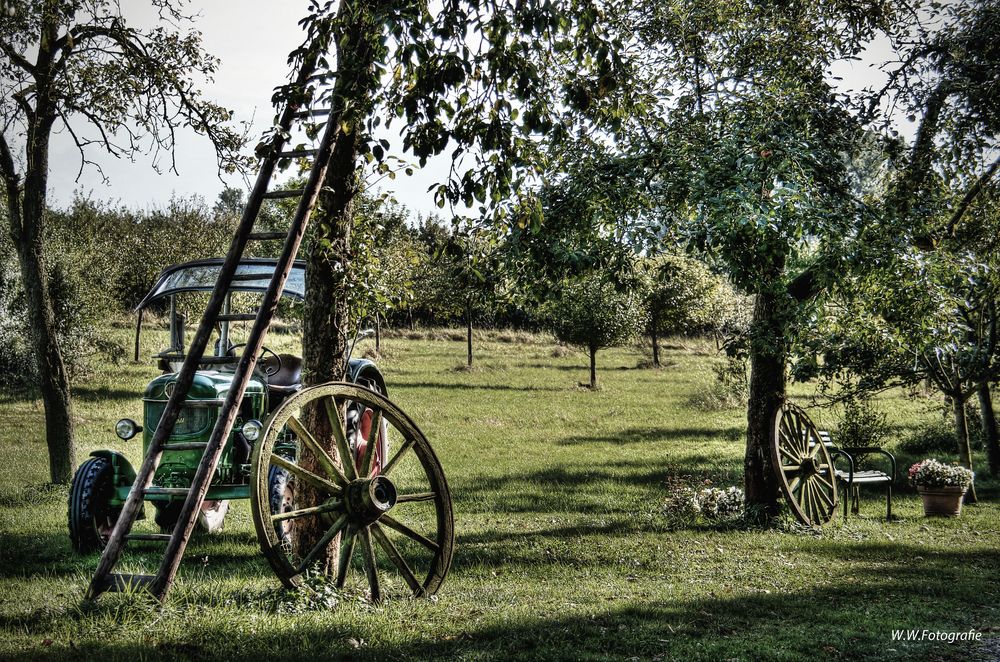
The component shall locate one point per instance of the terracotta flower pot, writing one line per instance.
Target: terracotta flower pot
(946, 501)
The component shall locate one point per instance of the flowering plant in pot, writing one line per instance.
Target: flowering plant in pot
(941, 486)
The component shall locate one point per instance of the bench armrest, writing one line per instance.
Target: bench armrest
(866, 450)
(837, 453)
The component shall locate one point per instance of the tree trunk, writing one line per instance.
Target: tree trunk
(378, 333)
(989, 428)
(767, 391)
(593, 368)
(324, 341)
(656, 348)
(53, 380)
(962, 434)
(27, 218)
(468, 334)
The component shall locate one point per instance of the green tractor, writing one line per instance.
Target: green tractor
(260, 458)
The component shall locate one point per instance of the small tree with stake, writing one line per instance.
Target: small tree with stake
(594, 314)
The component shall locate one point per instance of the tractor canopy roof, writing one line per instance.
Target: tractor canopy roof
(200, 276)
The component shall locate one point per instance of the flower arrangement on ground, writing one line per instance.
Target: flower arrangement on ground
(930, 473)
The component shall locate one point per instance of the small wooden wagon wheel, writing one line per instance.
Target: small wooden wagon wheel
(803, 465)
(400, 506)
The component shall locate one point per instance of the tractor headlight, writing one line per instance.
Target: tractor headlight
(251, 430)
(127, 428)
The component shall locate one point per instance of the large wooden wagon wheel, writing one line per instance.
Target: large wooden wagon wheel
(803, 465)
(402, 508)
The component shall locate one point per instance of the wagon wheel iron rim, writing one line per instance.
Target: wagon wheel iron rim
(803, 464)
(371, 511)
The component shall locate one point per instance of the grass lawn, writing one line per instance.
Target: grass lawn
(561, 549)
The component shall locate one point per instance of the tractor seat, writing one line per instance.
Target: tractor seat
(286, 381)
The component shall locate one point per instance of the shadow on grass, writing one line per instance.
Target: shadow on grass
(851, 617)
(613, 486)
(653, 435)
(473, 387)
(50, 554)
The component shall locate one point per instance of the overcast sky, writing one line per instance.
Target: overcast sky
(252, 39)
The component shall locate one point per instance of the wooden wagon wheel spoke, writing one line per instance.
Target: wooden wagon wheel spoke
(340, 437)
(407, 445)
(359, 509)
(792, 486)
(368, 554)
(331, 507)
(804, 494)
(826, 483)
(344, 560)
(396, 558)
(327, 538)
(368, 458)
(322, 457)
(788, 436)
(814, 508)
(409, 533)
(825, 497)
(802, 436)
(788, 454)
(307, 476)
(416, 496)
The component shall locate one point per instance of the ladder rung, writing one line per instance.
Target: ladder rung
(150, 537)
(267, 236)
(166, 491)
(298, 154)
(237, 317)
(186, 446)
(317, 112)
(119, 583)
(251, 277)
(289, 193)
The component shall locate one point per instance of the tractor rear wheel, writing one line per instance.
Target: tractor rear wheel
(91, 515)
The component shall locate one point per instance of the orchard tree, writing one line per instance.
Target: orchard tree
(750, 156)
(682, 296)
(78, 67)
(475, 80)
(594, 313)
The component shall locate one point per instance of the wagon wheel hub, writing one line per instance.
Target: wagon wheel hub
(810, 467)
(367, 499)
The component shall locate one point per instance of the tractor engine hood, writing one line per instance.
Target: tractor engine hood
(207, 385)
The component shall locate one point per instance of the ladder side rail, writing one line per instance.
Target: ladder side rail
(165, 427)
(244, 371)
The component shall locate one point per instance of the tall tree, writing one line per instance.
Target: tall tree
(751, 156)
(79, 66)
(461, 75)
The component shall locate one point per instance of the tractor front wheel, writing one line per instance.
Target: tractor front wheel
(91, 515)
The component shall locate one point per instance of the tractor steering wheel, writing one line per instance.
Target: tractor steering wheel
(270, 368)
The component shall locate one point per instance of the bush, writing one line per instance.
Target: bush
(729, 389)
(930, 439)
(687, 502)
(17, 364)
(939, 436)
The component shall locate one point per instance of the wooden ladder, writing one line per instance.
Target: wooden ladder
(105, 579)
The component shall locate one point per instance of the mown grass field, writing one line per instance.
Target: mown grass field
(562, 551)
